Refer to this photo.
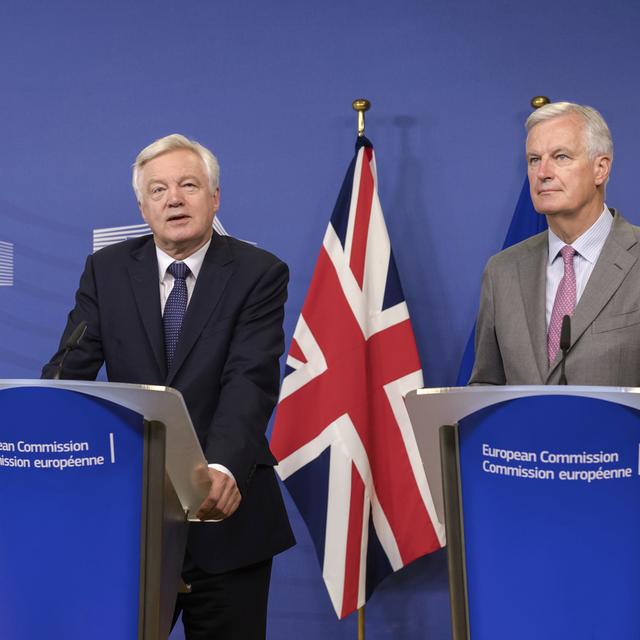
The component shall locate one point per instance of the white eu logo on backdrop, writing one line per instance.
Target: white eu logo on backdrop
(6, 264)
(111, 235)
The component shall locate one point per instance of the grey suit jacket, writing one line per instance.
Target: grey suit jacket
(511, 342)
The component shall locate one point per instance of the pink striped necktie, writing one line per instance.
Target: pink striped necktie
(564, 304)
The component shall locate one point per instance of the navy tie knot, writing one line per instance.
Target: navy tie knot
(178, 270)
(174, 309)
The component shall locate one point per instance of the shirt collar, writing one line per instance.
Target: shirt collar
(194, 261)
(589, 244)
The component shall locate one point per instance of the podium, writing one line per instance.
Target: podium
(540, 492)
(97, 482)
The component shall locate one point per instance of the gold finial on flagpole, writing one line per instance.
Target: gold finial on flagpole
(361, 105)
(539, 101)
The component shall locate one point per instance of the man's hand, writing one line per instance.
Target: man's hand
(223, 499)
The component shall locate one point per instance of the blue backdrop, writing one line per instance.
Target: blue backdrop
(268, 86)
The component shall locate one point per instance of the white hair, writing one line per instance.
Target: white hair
(597, 136)
(174, 142)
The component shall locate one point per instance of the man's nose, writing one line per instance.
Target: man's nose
(175, 197)
(545, 170)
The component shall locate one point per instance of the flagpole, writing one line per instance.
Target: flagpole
(361, 105)
(537, 101)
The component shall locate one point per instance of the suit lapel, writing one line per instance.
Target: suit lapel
(213, 278)
(532, 274)
(143, 273)
(612, 267)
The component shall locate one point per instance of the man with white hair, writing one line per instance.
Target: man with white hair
(190, 309)
(585, 266)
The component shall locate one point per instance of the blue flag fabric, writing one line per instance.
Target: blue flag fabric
(526, 222)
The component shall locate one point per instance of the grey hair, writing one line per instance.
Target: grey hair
(174, 142)
(597, 136)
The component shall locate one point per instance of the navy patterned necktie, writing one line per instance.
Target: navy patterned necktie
(174, 309)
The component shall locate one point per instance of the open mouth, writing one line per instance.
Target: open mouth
(178, 217)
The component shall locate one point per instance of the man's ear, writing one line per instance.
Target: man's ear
(602, 169)
(144, 217)
(215, 196)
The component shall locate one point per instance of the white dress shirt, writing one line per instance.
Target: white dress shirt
(588, 247)
(194, 262)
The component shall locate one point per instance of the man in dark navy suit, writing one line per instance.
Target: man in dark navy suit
(202, 313)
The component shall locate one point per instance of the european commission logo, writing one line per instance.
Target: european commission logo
(6, 264)
(110, 235)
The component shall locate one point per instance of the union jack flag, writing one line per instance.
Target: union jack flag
(342, 435)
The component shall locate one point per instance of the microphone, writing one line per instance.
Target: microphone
(72, 342)
(565, 343)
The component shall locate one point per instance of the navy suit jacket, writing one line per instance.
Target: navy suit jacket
(226, 366)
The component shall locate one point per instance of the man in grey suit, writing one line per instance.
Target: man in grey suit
(585, 266)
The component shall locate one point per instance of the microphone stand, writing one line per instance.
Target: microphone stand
(74, 340)
(565, 343)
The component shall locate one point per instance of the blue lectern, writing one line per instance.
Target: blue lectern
(97, 481)
(541, 490)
